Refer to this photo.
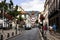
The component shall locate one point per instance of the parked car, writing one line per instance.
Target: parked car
(28, 27)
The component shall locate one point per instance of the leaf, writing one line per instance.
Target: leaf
(11, 2)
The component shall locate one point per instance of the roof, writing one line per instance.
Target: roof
(8, 16)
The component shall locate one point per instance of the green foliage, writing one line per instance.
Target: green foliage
(16, 7)
(6, 7)
(4, 1)
(11, 2)
(10, 6)
(3, 4)
(13, 13)
(20, 18)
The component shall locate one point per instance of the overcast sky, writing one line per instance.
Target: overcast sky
(30, 5)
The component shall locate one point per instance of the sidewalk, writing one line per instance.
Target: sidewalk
(10, 33)
(57, 35)
(53, 36)
(20, 33)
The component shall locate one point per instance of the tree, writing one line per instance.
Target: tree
(16, 7)
(3, 5)
(11, 2)
(14, 13)
(20, 22)
(20, 18)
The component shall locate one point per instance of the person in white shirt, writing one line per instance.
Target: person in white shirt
(50, 29)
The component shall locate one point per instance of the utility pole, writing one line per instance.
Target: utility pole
(3, 16)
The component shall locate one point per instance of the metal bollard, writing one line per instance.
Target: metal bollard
(8, 35)
(12, 33)
(1, 37)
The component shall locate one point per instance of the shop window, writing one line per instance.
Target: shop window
(57, 21)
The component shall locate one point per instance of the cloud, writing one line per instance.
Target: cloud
(1, 0)
(35, 5)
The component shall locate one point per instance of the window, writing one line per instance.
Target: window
(59, 4)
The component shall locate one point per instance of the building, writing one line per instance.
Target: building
(33, 18)
(20, 8)
(39, 17)
(53, 12)
(8, 25)
(46, 13)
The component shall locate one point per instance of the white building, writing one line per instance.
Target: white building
(46, 13)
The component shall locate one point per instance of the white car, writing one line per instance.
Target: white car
(28, 26)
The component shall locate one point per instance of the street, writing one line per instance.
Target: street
(30, 20)
(32, 34)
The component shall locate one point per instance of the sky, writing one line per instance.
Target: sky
(29, 5)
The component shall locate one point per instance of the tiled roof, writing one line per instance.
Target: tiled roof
(8, 16)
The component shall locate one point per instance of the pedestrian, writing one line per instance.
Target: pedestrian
(54, 27)
(45, 29)
(50, 29)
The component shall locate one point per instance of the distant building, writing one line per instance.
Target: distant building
(33, 18)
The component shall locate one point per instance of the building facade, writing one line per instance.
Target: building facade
(10, 24)
(53, 12)
(46, 13)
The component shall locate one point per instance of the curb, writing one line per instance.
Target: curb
(41, 34)
(14, 36)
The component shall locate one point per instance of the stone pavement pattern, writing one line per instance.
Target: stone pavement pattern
(52, 37)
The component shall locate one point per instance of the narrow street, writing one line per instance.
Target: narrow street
(30, 20)
(32, 34)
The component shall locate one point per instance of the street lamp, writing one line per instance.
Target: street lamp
(42, 18)
(16, 26)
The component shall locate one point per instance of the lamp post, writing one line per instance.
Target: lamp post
(16, 26)
(3, 16)
(42, 18)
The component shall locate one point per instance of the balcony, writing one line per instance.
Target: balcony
(53, 13)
